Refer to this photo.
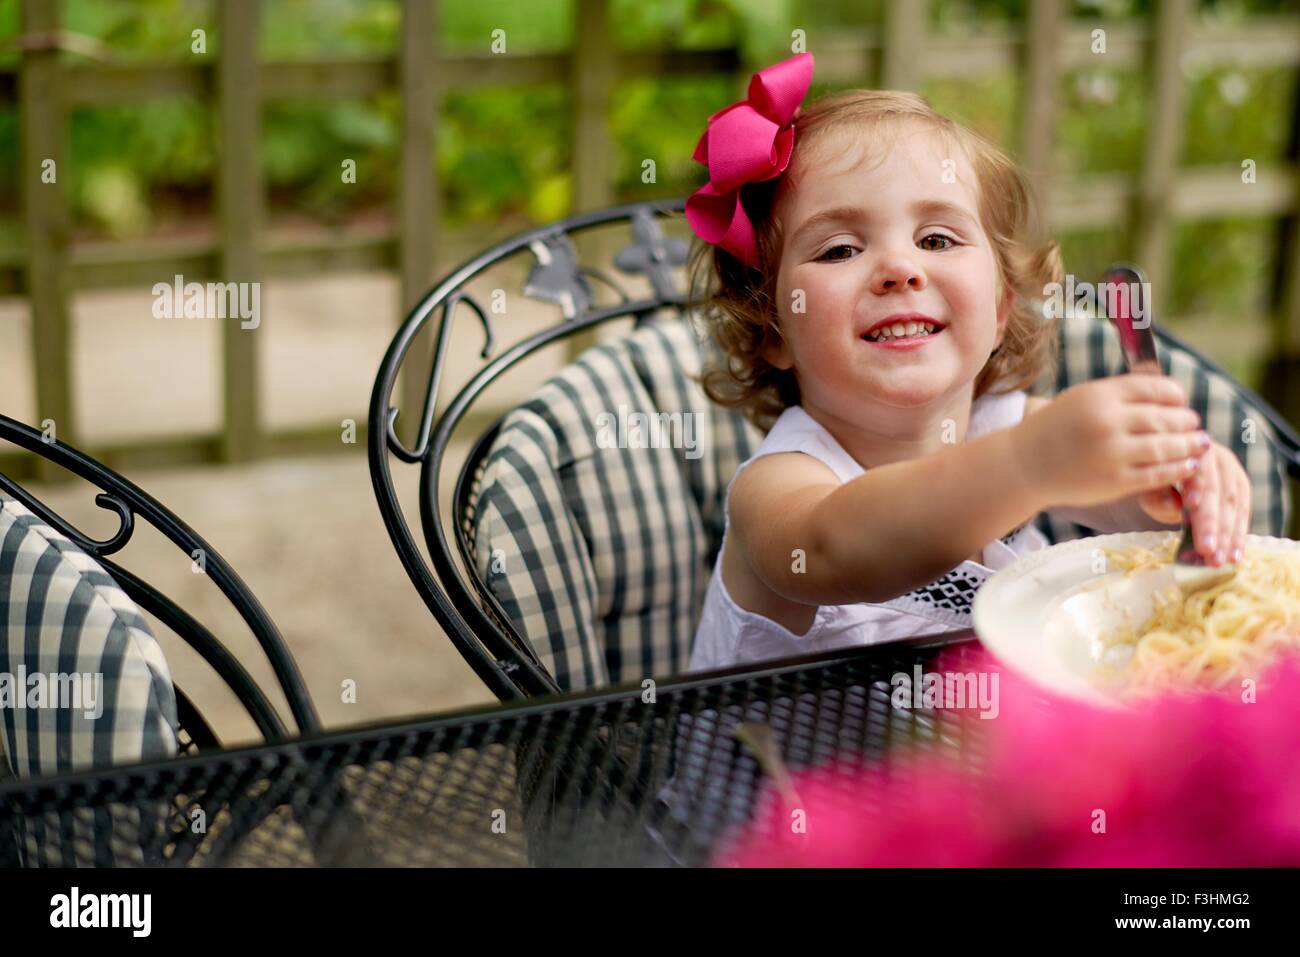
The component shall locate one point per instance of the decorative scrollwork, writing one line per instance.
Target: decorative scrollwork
(105, 500)
(557, 276)
(654, 255)
(608, 281)
(435, 377)
(129, 504)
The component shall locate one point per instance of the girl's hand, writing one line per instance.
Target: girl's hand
(1218, 497)
(1110, 438)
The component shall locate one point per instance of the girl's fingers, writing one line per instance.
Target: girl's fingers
(1158, 448)
(1205, 517)
(1191, 491)
(1227, 514)
(1146, 418)
(1220, 500)
(1162, 504)
(1151, 387)
(1169, 473)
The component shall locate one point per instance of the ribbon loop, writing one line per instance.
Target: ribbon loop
(748, 142)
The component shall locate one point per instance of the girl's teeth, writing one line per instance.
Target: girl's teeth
(900, 330)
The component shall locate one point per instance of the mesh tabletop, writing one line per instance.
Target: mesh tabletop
(639, 776)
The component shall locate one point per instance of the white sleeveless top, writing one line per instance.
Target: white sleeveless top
(729, 635)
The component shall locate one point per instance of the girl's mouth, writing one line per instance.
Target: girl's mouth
(917, 338)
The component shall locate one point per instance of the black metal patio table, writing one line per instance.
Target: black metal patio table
(640, 775)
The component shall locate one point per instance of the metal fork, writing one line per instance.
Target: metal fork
(1138, 341)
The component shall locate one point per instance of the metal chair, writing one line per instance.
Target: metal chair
(130, 503)
(466, 608)
(464, 602)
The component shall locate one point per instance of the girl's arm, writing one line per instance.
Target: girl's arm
(898, 526)
(886, 532)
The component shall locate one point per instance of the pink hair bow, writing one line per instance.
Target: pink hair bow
(748, 142)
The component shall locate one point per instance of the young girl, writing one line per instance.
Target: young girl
(876, 295)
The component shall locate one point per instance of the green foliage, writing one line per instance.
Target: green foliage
(140, 30)
(505, 153)
(307, 29)
(124, 158)
(1102, 122)
(679, 24)
(496, 147)
(304, 145)
(1223, 267)
(988, 104)
(669, 142)
(1237, 113)
(529, 27)
(1087, 253)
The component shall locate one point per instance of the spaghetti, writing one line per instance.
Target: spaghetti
(1215, 637)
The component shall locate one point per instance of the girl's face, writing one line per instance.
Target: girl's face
(874, 239)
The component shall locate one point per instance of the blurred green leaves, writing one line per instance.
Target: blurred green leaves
(505, 153)
(684, 105)
(125, 160)
(987, 104)
(502, 153)
(111, 195)
(1237, 113)
(305, 143)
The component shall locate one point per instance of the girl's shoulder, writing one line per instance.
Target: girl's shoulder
(797, 431)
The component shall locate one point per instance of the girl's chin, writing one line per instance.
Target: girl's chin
(908, 391)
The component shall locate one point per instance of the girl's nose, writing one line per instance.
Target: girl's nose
(895, 272)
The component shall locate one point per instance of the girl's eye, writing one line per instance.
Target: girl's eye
(948, 241)
(824, 256)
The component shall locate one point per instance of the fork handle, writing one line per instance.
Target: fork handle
(1137, 338)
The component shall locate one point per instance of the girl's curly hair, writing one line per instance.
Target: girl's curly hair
(739, 302)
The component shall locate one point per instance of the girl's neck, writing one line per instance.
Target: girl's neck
(897, 435)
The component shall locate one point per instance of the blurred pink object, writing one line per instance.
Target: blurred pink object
(1181, 781)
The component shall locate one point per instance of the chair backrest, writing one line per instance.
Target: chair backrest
(601, 507)
(460, 601)
(582, 559)
(66, 607)
(50, 550)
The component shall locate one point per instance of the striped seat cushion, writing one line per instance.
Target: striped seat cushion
(605, 552)
(600, 556)
(61, 614)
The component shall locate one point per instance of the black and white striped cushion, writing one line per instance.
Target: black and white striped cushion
(61, 613)
(607, 552)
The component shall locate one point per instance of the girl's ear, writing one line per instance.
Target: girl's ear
(775, 349)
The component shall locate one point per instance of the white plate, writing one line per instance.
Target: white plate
(1043, 615)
